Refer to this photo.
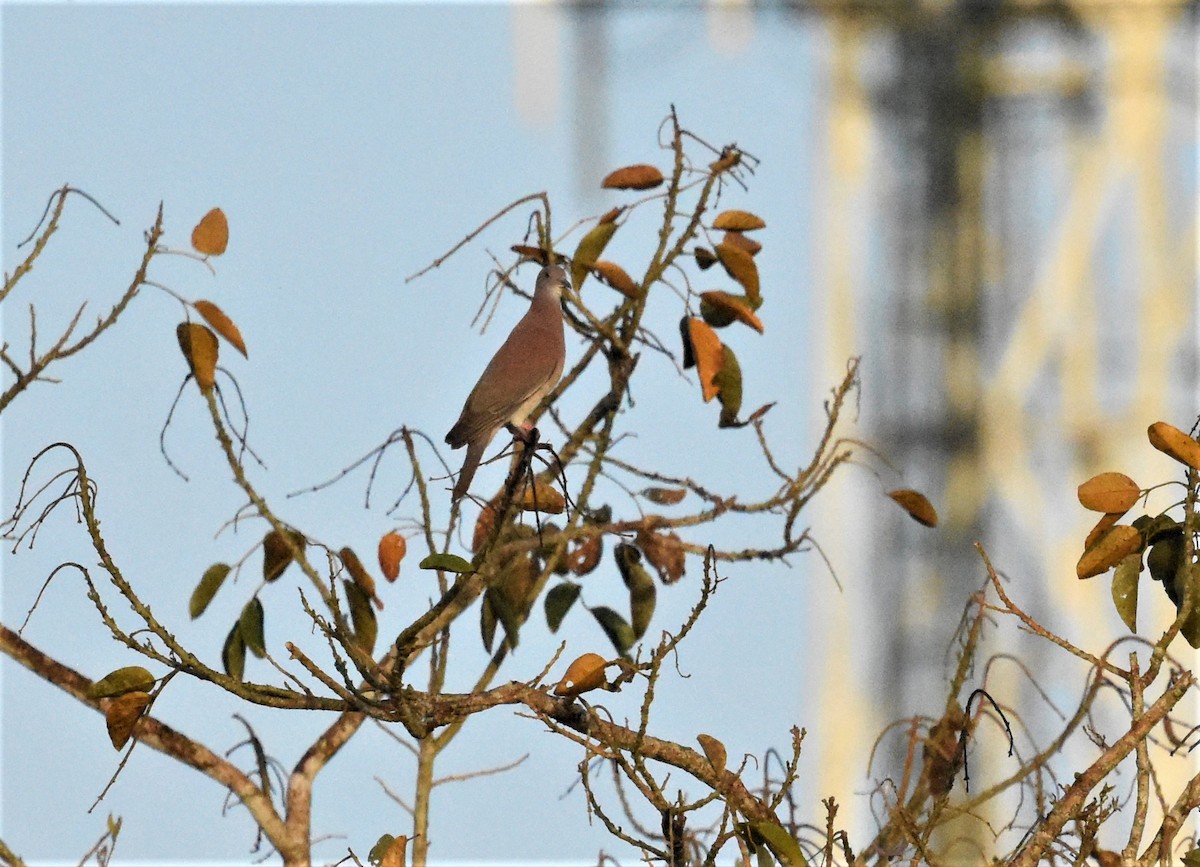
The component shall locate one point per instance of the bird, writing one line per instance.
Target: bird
(523, 371)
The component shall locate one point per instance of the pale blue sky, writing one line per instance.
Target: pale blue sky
(349, 146)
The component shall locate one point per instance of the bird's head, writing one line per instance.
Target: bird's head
(552, 280)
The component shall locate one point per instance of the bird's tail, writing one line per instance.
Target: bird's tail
(470, 465)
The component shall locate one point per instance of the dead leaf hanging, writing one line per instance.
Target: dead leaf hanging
(222, 324)
(199, 347)
(917, 505)
(211, 235)
(636, 177)
(706, 350)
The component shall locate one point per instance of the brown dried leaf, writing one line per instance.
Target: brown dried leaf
(211, 235)
(361, 576)
(720, 308)
(199, 347)
(707, 350)
(729, 158)
(222, 324)
(714, 751)
(1171, 441)
(738, 221)
(121, 715)
(483, 525)
(737, 239)
(584, 674)
(536, 254)
(277, 553)
(392, 548)
(585, 556)
(1109, 492)
(664, 496)
(665, 553)
(740, 266)
(917, 505)
(705, 258)
(610, 216)
(1110, 549)
(636, 177)
(616, 277)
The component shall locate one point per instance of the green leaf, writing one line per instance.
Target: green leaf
(642, 592)
(1165, 557)
(362, 616)
(618, 631)
(504, 611)
(251, 626)
(785, 847)
(131, 678)
(1125, 589)
(210, 582)
(375, 856)
(1192, 859)
(559, 601)
(447, 563)
(728, 381)
(233, 654)
(487, 623)
(1191, 626)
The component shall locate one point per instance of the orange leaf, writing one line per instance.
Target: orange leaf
(199, 346)
(222, 324)
(392, 548)
(610, 216)
(738, 221)
(543, 498)
(585, 673)
(707, 350)
(1110, 549)
(741, 267)
(211, 234)
(616, 277)
(1102, 526)
(917, 505)
(1109, 492)
(1170, 440)
(737, 239)
(638, 177)
(726, 308)
(121, 715)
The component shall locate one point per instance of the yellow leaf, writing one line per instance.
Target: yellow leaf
(392, 548)
(1171, 441)
(637, 177)
(222, 324)
(740, 266)
(584, 674)
(724, 308)
(121, 715)
(211, 234)
(738, 221)
(1109, 550)
(544, 498)
(707, 350)
(590, 247)
(728, 381)
(616, 277)
(1109, 492)
(714, 751)
(199, 346)
(917, 505)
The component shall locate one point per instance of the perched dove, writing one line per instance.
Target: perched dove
(519, 375)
